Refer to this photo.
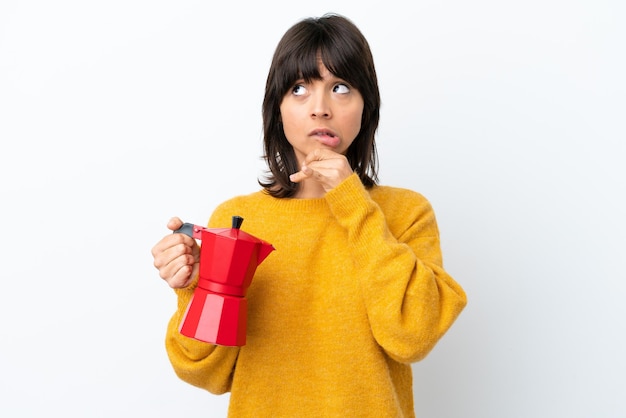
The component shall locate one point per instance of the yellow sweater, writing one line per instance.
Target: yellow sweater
(354, 293)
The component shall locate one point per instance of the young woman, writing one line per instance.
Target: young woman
(355, 291)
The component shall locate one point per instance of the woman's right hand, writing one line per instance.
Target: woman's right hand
(177, 257)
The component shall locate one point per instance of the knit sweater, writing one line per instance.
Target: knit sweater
(354, 293)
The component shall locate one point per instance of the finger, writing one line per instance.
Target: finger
(182, 277)
(174, 223)
(169, 260)
(329, 173)
(171, 241)
(330, 165)
(319, 154)
(172, 260)
(304, 173)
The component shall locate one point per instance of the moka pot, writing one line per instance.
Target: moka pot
(217, 312)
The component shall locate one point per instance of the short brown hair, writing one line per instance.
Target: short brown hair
(346, 54)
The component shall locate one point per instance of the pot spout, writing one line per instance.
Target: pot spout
(264, 250)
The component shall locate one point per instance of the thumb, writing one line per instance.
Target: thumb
(174, 223)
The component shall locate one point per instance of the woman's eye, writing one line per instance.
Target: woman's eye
(298, 90)
(341, 89)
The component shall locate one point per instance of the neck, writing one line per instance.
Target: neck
(310, 189)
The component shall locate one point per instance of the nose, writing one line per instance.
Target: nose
(320, 107)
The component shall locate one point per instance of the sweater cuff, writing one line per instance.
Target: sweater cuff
(184, 295)
(348, 197)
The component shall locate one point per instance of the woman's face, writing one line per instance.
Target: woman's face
(324, 113)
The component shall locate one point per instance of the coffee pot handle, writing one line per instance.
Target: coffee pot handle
(186, 229)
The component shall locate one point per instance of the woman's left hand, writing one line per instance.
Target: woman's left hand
(324, 166)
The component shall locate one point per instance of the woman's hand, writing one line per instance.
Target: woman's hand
(177, 257)
(326, 167)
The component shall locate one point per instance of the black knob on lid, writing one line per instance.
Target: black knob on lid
(237, 221)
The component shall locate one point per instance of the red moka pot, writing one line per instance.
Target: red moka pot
(218, 310)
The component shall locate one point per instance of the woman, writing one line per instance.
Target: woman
(355, 291)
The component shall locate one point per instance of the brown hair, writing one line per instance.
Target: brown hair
(346, 54)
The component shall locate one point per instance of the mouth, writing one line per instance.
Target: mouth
(326, 137)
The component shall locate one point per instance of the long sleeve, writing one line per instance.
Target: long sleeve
(354, 292)
(198, 363)
(411, 301)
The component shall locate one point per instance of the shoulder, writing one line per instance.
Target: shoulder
(404, 208)
(394, 196)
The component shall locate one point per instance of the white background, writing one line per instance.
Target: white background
(508, 116)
